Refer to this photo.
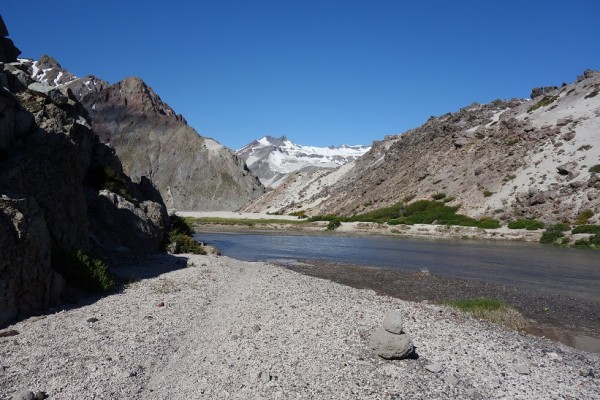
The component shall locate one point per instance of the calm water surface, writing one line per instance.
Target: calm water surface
(572, 272)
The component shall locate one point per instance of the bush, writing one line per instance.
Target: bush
(81, 270)
(587, 229)
(529, 224)
(300, 214)
(487, 193)
(106, 178)
(328, 217)
(489, 224)
(180, 226)
(185, 244)
(333, 225)
(583, 217)
(595, 168)
(438, 196)
(547, 100)
(396, 221)
(553, 233)
(593, 241)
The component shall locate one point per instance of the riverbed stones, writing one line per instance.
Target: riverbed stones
(389, 341)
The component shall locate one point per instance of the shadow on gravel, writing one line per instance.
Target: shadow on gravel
(126, 270)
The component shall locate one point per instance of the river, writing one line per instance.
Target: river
(572, 272)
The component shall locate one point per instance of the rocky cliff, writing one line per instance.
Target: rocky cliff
(60, 188)
(506, 160)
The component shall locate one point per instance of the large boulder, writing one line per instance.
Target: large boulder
(8, 51)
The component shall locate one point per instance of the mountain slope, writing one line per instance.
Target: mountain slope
(151, 139)
(190, 171)
(505, 160)
(273, 159)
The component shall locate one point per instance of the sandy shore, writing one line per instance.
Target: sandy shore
(223, 328)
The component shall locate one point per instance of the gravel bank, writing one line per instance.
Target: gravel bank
(230, 329)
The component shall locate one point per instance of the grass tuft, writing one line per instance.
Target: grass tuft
(491, 310)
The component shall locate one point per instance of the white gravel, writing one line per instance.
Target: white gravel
(232, 329)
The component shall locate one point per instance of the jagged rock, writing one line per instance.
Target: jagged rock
(539, 91)
(569, 169)
(568, 136)
(8, 51)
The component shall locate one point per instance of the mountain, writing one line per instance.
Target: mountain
(505, 160)
(151, 139)
(62, 191)
(272, 160)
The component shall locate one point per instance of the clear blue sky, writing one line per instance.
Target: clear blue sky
(321, 72)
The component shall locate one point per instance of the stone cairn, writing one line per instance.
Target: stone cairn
(389, 341)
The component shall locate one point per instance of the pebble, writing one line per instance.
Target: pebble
(435, 368)
(451, 380)
(264, 376)
(522, 369)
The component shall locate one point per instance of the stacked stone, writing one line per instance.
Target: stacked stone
(390, 341)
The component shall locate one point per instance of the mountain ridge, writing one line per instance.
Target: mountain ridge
(272, 159)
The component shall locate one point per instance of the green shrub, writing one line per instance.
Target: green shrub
(328, 217)
(408, 198)
(512, 142)
(106, 178)
(397, 221)
(333, 225)
(81, 270)
(552, 233)
(583, 217)
(592, 242)
(487, 193)
(185, 244)
(489, 224)
(529, 224)
(547, 100)
(587, 229)
(179, 225)
(585, 147)
(438, 196)
(595, 168)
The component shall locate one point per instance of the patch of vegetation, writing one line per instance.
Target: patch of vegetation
(242, 221)
(487, 193)
(185, 244)
(592, 242)
(491, 310)
(529, 224)
(587, 229)
(438, 196)
(448, 199)
(583, 217)
(397, 221)
(333, 225)
(300, 214)
(553, 233)
(509, 177)
(547, 100)
(593, 94)
(595, 168)
(81, 270)
(180, 237)
(512, 142)
(489, 224)
(585, 147)
(106, 178)
(408, 198)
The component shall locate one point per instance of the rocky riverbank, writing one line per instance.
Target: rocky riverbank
(223, 328)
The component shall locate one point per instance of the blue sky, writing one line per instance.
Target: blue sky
(321, 72)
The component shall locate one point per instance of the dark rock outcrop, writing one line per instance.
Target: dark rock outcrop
(60, 187)
(8, 51)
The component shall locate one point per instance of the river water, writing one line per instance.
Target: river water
(572, 272)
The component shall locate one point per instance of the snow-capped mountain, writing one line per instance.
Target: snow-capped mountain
(273, 159)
